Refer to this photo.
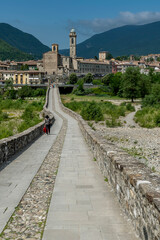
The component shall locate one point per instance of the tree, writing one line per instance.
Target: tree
(80, 85)
(25, 91)
(156, 91)
(39, 92)
(121, 58)
(79, 90)
(150, 59)
(107, 79)
(9, 91)
(109, 56)
(130, 85)
(92, 111)
(88, 78)
(73, 78)
(115, 82)
(24, 67)
(8, 84)
(137, 58)
(145, 85)
(151, 73)
(10, 94)
(154, 97)
(154, 77)
(118, 58)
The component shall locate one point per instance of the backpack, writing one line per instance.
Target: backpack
(47, 121)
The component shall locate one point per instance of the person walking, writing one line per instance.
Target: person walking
(48, 124)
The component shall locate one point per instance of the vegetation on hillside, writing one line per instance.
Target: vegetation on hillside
(12, 53)
(23, 41)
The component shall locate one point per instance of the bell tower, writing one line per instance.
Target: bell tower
(72, 37)
(55, 48)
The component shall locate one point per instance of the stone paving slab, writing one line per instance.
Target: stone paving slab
(16, 177)
(83, 207)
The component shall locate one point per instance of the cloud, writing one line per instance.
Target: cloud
(90, 27)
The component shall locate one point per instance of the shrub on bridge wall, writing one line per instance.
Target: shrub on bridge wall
(135, 185)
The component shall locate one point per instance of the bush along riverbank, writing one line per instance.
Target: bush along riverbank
(100, 111)
(17, 115)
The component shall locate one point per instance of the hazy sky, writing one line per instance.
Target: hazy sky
(50, 21)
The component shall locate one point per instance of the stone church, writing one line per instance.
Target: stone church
(57, 64)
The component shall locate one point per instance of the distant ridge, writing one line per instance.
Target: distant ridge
(23, 41)
(126, 40)
(7, 52)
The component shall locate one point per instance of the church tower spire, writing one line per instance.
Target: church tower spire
(72, 37)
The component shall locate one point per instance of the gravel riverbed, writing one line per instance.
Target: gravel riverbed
(142, 143)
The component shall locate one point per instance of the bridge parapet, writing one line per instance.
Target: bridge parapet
(136, 186)
(11, 145)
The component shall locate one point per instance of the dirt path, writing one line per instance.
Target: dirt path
(129, 119)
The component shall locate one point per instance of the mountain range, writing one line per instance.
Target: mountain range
(130, 39)
(12, 53)
(21, 41)
(126, 40)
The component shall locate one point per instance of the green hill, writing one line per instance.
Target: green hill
(12, 53)
(131, 39)
(23, 41)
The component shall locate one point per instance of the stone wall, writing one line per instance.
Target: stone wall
(50, 62)
(10, 146)
(137, 188)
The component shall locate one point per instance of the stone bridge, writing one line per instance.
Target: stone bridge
(72, 184)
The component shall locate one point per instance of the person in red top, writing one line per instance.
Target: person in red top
(48, 124)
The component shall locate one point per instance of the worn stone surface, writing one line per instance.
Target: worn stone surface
(135, 185)
(83, 205)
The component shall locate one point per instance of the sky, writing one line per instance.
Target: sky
(51, 21)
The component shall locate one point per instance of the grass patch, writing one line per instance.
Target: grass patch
(67, 98)
(24, 114)
(148, 117)
(91, 125)
(133, 151)
(116, 139)
(153, 169)
(137, 153)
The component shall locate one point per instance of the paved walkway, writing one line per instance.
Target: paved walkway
(16, 177)
(83, 207)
